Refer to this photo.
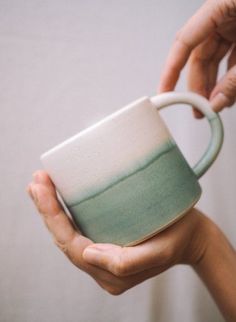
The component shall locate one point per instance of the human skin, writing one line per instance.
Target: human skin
(207, 37)
(194, 240)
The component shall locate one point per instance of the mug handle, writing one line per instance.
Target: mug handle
(202, 104)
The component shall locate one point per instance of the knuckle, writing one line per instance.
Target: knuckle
(178, 35)
(114, 290)
(219, 11)
(69, 254)
(120, 269)
(227, 9)
(62, 246)
(166, 255)
(122, 266)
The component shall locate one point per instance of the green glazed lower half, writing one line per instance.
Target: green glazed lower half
(141, 203)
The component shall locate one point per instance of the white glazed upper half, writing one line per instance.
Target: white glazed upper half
(112, 147)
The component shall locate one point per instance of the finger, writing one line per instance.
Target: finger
(53, 215)
(59, 224)
(224, 93)
(203, 66)
(69, 241)
(143, 276)
(204, 63)
(41, 176)
(196, 30)
(163, 250)
(232, 58)
(197, 114)
(118, 285)
(125, 261)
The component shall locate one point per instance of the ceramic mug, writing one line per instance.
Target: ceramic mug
(124, 179)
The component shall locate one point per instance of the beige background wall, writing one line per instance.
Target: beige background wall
(64, 65)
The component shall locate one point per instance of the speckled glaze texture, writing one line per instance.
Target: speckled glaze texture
(124, 179)
(151, 198)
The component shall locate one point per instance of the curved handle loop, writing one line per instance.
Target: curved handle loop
(202, 104)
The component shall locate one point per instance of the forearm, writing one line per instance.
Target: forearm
(217, 269)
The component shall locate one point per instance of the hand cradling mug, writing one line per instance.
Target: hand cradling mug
(124, 179)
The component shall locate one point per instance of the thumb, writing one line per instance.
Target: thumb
(224, 93)
(125, 261)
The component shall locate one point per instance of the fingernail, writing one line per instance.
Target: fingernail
(36, 177)
(91, 254)
(219, 101)
(95, 252)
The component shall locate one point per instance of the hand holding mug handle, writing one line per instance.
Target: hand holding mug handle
(202, 104)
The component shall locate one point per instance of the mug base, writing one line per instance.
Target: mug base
(160, 229)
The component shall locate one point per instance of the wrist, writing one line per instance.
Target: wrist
(203, 231)
(217, 268)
